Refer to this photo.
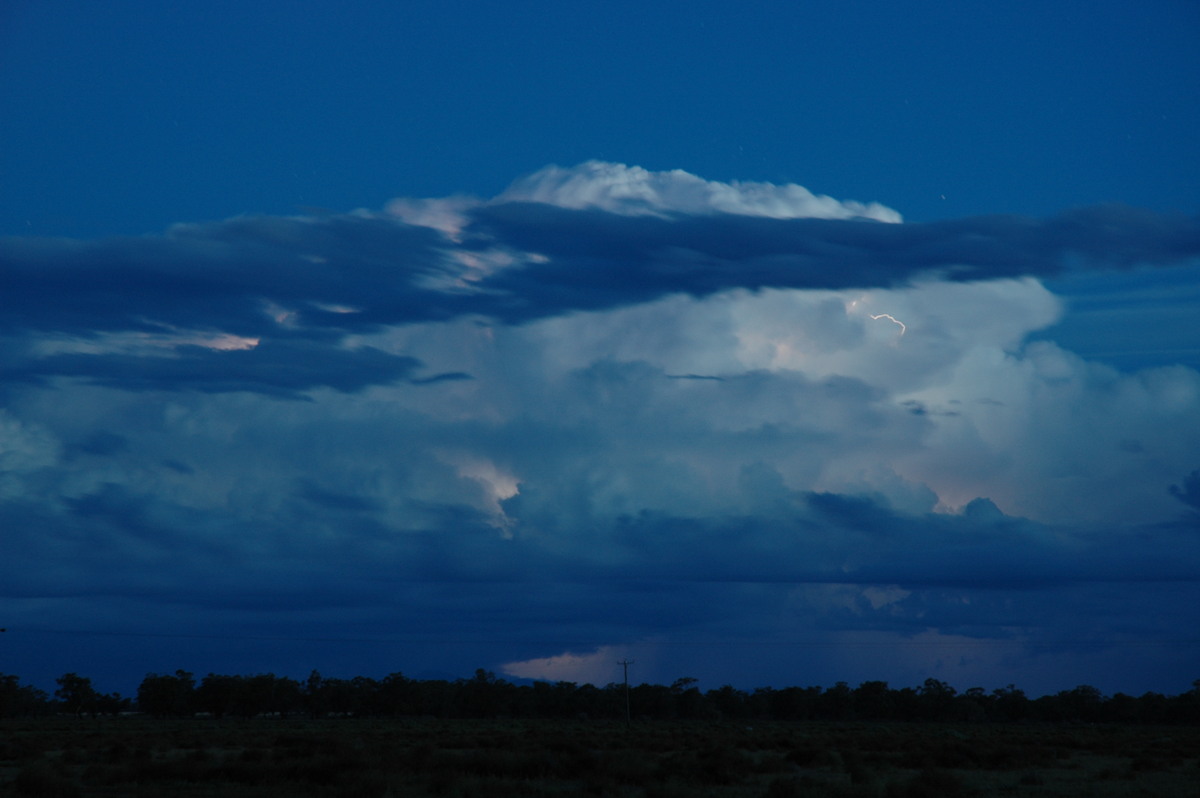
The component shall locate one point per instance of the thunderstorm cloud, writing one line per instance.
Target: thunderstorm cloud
(607, 413)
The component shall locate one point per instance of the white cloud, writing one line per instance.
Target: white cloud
(1048, 435)
(598, 667)
(25, 449)
(143, 344)
(446, 215)
(676, 396)
(633, 190)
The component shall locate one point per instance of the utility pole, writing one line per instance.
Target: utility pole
(625, 663)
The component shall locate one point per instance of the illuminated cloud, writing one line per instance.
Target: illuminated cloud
(597, 667)
(631, 190)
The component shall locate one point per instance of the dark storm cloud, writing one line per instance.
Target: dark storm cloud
(847, 564)
(109, 541)
(103, 444)
(837, 538)
(223, 276)
(115, 507)
(1189, 491)
(284, 368)
(598, 259)
(299, 285)
(335, 500)
(116, 542)
(220, 276)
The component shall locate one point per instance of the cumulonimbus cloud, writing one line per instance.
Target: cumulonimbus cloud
(608, 405)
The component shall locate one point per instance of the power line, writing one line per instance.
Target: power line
(625, 663)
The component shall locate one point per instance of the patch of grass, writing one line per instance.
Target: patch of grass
(331, 758)
(42, 780)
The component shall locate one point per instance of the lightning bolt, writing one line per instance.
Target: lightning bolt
(892, 319)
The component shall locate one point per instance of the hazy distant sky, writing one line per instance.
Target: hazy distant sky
(783, 344)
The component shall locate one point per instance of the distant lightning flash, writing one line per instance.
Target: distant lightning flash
(892, 319)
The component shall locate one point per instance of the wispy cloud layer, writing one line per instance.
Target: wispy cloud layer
(609, 410)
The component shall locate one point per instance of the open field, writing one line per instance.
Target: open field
(138, 756)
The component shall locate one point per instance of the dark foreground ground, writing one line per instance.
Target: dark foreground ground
(135, 756)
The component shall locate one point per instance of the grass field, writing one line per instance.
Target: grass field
(343, 757)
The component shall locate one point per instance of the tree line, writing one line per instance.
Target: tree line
(180, 694)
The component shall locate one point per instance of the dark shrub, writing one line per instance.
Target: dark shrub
(41, 780)
(804, 755)
(935, 783)
(724, 765)
(784, 788)
(669, 789)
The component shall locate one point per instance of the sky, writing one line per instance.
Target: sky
(784, 344)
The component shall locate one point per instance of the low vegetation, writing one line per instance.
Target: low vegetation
(485, 696)
(141, 756)
(272, 736)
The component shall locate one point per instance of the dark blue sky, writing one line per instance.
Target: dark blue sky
(126, 117)
(781, 345)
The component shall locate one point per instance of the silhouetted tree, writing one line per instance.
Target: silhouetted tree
(356, 696)
(18, 700)
(796, 703)
(758, 703)
(1010, 703)
(1082, 703)
(905, 703)
(651, 701)
(76, 694)
(974, 704)
(591, 700)
(316, 695)
(435, 698)
(395, 695)
(112, 704)
(837, 702)
(484, 696)
(874, 701)
(266, 693)
(218, 695)
(936, 700)
(167, 695)
(1123, 708)
(552, 700)
(727, 701)
(1185, 708)
(689, 702)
